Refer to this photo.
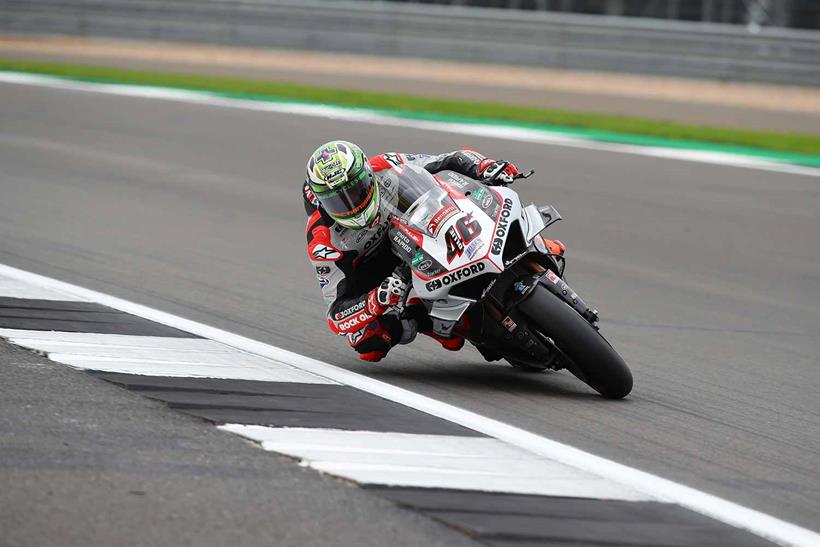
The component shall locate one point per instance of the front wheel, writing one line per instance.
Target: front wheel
(594, 361)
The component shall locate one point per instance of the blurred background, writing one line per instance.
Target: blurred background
(778, 13)
(729, 40)
(746, 64)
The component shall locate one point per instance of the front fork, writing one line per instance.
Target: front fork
(505, 332)
(559, 288)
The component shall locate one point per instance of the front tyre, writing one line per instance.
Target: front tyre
(595, 362)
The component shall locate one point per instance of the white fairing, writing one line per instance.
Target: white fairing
(451, 230)
(480, 255)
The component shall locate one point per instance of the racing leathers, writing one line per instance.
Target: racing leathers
(352, 266)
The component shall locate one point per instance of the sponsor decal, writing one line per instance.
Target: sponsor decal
(416, 237)
(393, 159)
(354, 321)
(455, 277)
(417, 258)
(509, 324)
(358, 306)
(488, 288)
(323, 280)
(501, 229)
(492, 210)
(426, 265)
(440, 218)
(473, 248)
(320, 251)
(565, 290)
(485, 204)
(403, 242)
(332, 165)
(333, 177)
(373, 237)
(479, 194)
(457, 180)
(322, 270)
(355, 337)
(520, 287)
(455, 246)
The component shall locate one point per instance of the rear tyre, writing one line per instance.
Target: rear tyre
(594, 361)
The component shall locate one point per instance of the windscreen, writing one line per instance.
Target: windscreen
(419, 198)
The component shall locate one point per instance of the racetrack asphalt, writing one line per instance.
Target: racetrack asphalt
(706, 276)
(83, 463)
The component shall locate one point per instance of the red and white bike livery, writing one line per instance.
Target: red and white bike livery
(480, 266)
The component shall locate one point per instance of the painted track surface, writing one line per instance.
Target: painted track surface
(705, 276)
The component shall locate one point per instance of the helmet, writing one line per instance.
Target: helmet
(340, 176)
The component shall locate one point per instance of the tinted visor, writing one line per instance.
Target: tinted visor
(351, 199)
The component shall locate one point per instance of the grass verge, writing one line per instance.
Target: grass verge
(795, 147)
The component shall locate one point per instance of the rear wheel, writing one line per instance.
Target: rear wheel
(594, 361)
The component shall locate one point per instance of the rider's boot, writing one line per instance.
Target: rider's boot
(372, 356)
(418, 312)
(451, 344)
(375, 339)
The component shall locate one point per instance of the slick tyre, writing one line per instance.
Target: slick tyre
(595, 362)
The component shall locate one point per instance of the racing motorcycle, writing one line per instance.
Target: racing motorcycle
(481, 268)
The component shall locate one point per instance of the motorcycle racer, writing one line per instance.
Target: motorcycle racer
(348, 245)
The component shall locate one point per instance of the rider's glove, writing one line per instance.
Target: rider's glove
(497, 172)
(386, 295)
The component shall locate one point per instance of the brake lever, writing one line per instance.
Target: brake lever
(526, 175)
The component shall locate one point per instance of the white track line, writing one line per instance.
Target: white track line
(766, 526)
(368, 116)
(17, 289)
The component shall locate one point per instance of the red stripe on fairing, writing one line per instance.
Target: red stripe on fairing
(414, 235)
(452, 192)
